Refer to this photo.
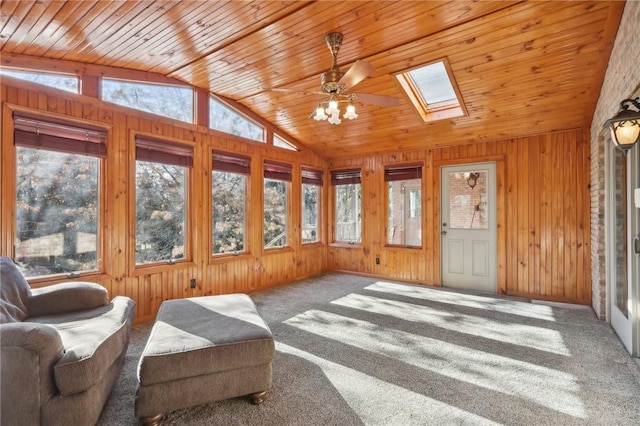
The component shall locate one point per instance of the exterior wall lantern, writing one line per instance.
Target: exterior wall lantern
(625, 125)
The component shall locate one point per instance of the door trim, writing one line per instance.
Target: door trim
(501, 211)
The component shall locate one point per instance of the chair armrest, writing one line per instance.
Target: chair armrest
(66, 297)
(29, 352)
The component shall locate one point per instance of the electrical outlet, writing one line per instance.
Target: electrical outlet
(192, 283)
(377, 260)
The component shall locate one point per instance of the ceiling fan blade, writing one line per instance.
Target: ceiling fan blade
(358, 72)
(380, 100)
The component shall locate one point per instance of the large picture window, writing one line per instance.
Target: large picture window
(404, 197)
(311, 195)
(228, 193)
(162, 170)
(277, 177)
(348, 205)
(58, 196)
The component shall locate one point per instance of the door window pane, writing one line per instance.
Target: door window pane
(57, 212)
(468, 200)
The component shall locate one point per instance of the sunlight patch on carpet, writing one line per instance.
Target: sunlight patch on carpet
(378, 402)
(517, 334)
(469, 300)
(547, 387)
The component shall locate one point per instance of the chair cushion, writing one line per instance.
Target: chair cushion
(204, 335)
(14, 292)
(93, 339)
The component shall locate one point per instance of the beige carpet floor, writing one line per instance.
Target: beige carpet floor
(352, 350)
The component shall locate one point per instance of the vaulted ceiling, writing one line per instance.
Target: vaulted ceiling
(521, 67)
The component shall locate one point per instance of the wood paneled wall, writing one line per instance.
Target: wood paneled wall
(149, 286)
(543, 211)
(543, 216)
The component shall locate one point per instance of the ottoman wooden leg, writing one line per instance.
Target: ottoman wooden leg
(258, 397)
(151, 420)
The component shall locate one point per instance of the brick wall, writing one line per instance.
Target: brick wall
(622, 80)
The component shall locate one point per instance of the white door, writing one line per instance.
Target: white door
(468, 226)
(623, 257)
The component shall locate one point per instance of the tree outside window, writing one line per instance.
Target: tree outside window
(161, 197)
(276, 180)
(229, 183)
(57, 205)
(311, 186)
(162, 99)
(68, 83)
(225, 119)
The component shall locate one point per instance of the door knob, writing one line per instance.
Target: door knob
(636, 245)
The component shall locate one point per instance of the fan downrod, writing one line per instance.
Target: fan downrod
(329, 80)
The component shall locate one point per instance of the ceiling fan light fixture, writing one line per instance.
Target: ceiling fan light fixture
(351, 112)
(335, 118)
(320, 113)
(333, 106)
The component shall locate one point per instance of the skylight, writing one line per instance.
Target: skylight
(431, 91)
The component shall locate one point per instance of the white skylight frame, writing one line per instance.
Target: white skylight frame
(439, 104)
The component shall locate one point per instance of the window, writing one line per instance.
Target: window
(276, 179)
(348, 205)
(58, 196)
(229, 187)
(311, 186)
(431, 90)
(161, 196)
(281, 143)
(162, 99)
(225, 119)
(64, 82)
(404, 195)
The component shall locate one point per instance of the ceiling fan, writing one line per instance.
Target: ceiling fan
(337, 85)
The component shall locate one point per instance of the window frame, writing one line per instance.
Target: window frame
(439, 110)
(277, 170)
(289, 145)
(189, 222)
(247, 202)
(397, 173)
(312, 176)
(354, 176)
(10, 178)
(226, 105)
(44, 73)
(150, 83)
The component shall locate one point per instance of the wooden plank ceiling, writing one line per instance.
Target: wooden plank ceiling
(522, 67)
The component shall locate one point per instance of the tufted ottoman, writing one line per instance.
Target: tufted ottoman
(203, 349)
